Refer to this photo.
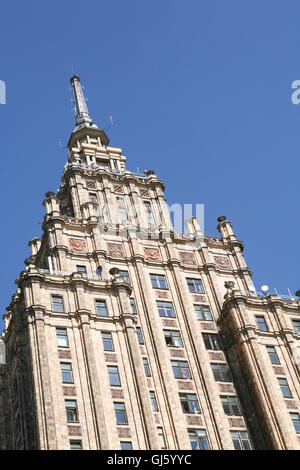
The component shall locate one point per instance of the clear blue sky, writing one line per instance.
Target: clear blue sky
(199, 91)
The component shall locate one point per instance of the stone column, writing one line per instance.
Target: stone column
(137, 365)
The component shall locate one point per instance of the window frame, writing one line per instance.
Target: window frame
(157, 279)
(153, 400)
(180, 369)
(202, 312)
(62, 336)
(273, 354)
(296, 422)
(185, 399)
(211, 342)
(284, 387)
(220, 372)
(66, 371)
(230, 405)
(172, 336)
(296, 328)
(76, 440)
(99, 308)
(194, 285)
(107, 340)
(240, 440)
(165, 309)
(146, 367)
(199, 439)
(259, 323)
(113, 374)
(73, 410)
(62, 310)
(120, 412)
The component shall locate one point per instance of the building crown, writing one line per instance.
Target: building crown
(83, 118)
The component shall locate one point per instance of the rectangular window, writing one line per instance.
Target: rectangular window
(189, 403)
(286, 392)
(146, 367)
(296, 421)
(107, 340)
(296, 324)
(211, 341)
(173, 338)
(57, 304)
(161, 437)
(66, 373)
(261, 323)
(221, 372)
(82, 270)
(181, 369)
(139, 335)
(203, 312)
(120, 413)
(133, 307)
(62, 338)
(125, 276)
(101, 308)
(153, 401)
(240, 440)
(195, 285)
(165, 309)
(113, 373)
(158, 281)
(76, 445)
(231, 405)
(71, 410)
(126, 445)
(198, 439)
(273, 355)
(122, 209)
(149, 214)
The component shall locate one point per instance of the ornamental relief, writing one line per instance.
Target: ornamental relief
(152, 254)
(115, 249)
(77, 244)
(187, 258)
(222, 262)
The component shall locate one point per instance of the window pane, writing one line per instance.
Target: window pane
(113, 373)
(66, 372)
(75, 445)
(296, 324)
(101, 308)
(62, 338)
(57, 304)
(126, 445)
(107, 340)
(261, 323)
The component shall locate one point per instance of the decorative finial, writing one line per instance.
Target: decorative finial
(83, 118)
(221, 218)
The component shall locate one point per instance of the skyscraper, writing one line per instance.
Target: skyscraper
(124, 334)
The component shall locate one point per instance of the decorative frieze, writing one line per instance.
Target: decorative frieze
(209, 326)
(152, 254)
(226, 388)
(167, 322)
(117, 393)
(115, 249)
(194, 420)
(74, 430)
(187, 258)
(222, 262)
(69, 391)
(124, 432)
(77, 244)
(216, 356)
(176, 353)
(64, 354)
(110, 357)
(200, 299)
(162, 294)
(182, 385)
(118, 189)
(236, 422)
(90, 184)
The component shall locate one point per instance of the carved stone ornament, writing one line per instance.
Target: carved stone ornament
(118, 189)
(91, 184)
(187, 258)
(222, 262)
(76, 244)
(152, 254)
(115, 249)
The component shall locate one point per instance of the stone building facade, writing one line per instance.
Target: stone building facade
(125, 334)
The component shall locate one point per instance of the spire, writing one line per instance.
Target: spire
(83, 118)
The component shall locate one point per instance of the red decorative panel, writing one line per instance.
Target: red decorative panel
(167, 322)
(111, 357)
(208, 326)
(74, 430)
(291, 404)
(236, 422)
(90, 184)
(222, 262)
(162, 295)
(182, 385)
(187, 257)
(279, 370)
(124, 432)
(77, 244)
(194, 420)
(69, 391)
(216, 356)
(115, 249)
(117, 393)
(200, 298)
(152, 254)
(226, 388)
(144, 193)
(176, 353)
(64, 354)
(118, 189)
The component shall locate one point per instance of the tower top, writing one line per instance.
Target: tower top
(83, 119)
